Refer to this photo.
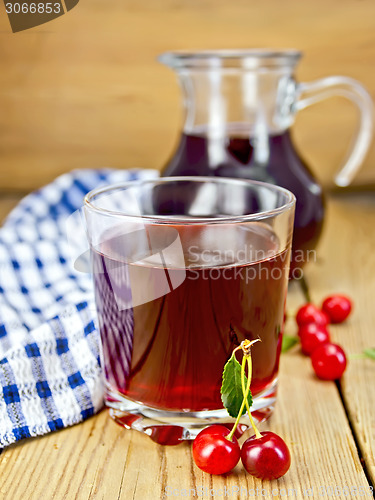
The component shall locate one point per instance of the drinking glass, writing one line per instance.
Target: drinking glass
(184, 270)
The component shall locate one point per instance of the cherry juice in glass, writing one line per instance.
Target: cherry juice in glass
(179, 283)
(171, 350)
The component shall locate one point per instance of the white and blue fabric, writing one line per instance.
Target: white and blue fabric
(49, 345)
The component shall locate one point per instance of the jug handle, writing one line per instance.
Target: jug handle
(349, 88)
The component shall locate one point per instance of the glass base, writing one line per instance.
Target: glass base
(170, 427)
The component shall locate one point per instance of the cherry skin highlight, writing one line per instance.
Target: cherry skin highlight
(337, 307)
(329, 361)
(213, 452)
(267, 457)
(309, 313)
(312, 336)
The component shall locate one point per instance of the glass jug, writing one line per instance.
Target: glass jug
(239, 106)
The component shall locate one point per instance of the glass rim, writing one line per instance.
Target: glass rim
(181, 219)
(254, 58)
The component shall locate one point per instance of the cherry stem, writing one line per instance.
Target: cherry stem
(230, 435)
(249, 376)
(358, 355)
(246, 350)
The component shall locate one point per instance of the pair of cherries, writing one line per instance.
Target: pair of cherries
(216, 450)
(328, 359)
(265, 456)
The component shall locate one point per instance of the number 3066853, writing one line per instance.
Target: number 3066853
(33, 8)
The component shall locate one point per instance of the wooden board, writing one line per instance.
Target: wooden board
(85, 90)
(347, 264)
(99, 459)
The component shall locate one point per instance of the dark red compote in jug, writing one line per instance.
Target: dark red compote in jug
(276, 162)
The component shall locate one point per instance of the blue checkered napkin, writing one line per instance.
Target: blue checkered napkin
(49, 361)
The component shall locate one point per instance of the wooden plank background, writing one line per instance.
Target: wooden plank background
(85, 90)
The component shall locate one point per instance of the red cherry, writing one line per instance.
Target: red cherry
(337, 307)
(329, 361)
(213, 452)
(267, 457)
(309, 313)
(312, 336)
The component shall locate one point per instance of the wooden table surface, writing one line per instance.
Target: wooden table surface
(86, 91)
(330, 428)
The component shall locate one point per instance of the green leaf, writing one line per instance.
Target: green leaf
(231, 388)
(288, 343)
(370, 353)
